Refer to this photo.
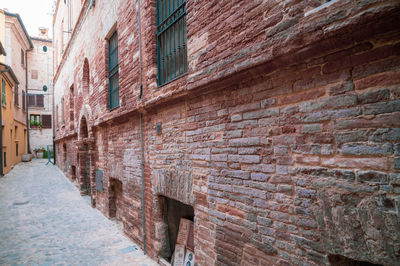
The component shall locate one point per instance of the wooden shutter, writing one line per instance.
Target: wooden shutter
(3, 92)
(16, 102)
(40, 100)
(31, 100)
(23, 100)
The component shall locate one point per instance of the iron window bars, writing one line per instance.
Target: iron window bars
(171, 40)
(113, 75)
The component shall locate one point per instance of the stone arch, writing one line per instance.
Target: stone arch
(84, 117)
(85, 78)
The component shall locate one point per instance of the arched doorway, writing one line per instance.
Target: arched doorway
(65, 156)
(84, 158)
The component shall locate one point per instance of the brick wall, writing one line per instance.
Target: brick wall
(288, 152)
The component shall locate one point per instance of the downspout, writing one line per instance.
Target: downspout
(26, 100)
(53, 109)
(141, 129)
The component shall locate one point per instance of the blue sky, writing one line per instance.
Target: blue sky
(34, 13)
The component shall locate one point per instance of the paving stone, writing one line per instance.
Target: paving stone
(45, 221)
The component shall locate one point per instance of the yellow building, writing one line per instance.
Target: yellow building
(14, 44)
(14, 139)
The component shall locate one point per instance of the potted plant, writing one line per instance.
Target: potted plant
(39, 152)
(35, 124)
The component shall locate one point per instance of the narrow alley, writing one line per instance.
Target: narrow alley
(45, 221)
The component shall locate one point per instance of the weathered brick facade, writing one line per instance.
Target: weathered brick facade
(284, 135)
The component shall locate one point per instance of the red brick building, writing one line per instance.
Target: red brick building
(274, 125)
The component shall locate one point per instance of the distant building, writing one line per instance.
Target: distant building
(40, 100)
(273, 125)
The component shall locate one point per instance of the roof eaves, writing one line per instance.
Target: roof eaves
(11, 72)
(22, 25)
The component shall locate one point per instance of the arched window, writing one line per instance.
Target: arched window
(85, 77)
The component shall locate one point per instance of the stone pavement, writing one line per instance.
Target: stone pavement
(45, 221)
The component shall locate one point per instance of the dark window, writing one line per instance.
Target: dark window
(62, 110)
(22, 57)
(3, 92)
(171, 40)
(16, 100)
(16, 149)
(113, 77)
(5, 159)
(23, 100)
(46, 121)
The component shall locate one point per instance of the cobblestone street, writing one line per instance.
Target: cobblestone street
(45, 221)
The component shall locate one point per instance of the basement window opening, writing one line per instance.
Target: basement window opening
(178, 240)
(338, 260)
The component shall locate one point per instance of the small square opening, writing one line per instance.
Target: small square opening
(338, 260)
(172, 212)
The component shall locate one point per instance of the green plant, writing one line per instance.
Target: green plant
(39, 149)
(36, 123)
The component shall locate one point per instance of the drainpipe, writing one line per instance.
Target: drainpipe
(53, 109)
(140, 52)
(141, 129)
(26, 100)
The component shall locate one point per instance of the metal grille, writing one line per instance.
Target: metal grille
(46, 121)
(99, 180)
(171, 40)
(113, 76)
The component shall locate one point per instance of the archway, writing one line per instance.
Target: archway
(84, 158)
(65, 156)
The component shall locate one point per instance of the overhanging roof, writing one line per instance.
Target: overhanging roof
(7, 69)
(22, 25)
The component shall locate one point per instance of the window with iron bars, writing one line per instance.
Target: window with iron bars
(113, 75)
(171, 40)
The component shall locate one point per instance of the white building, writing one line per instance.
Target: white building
(40, 89)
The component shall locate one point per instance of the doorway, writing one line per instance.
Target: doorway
(115, 200)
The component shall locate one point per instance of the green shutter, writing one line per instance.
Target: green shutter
(171, 40)
(113, 75)
(3, 92)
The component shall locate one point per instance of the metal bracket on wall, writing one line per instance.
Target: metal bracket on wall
(91, 3)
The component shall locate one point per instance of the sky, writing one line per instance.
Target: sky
(34, 13)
